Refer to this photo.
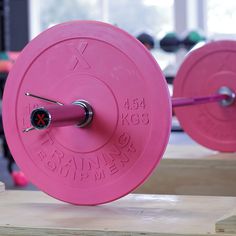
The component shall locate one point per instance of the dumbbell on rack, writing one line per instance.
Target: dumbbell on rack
(172, 43)
(87, 112)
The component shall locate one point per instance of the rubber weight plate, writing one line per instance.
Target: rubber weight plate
(124, 85)
(204, 71)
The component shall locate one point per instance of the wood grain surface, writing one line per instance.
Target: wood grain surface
(193, 170)
(34, 213)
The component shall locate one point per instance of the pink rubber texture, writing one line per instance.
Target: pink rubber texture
(120, 79)
(202, 73)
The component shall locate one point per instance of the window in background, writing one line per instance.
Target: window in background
(135, 16)
(57, 11)
(150, 16)
(142, 15)
(131, 15)
(221, 17)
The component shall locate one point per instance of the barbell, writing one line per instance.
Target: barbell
(87, 112)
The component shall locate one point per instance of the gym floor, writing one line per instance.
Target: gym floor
(177, 138)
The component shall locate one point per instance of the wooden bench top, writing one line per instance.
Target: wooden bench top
(35, 213)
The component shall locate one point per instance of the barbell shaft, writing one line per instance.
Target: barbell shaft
(81, 113)
(56, 116)
(78, 113)
(179, 102)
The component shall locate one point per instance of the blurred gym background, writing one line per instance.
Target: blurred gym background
(174, 25)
